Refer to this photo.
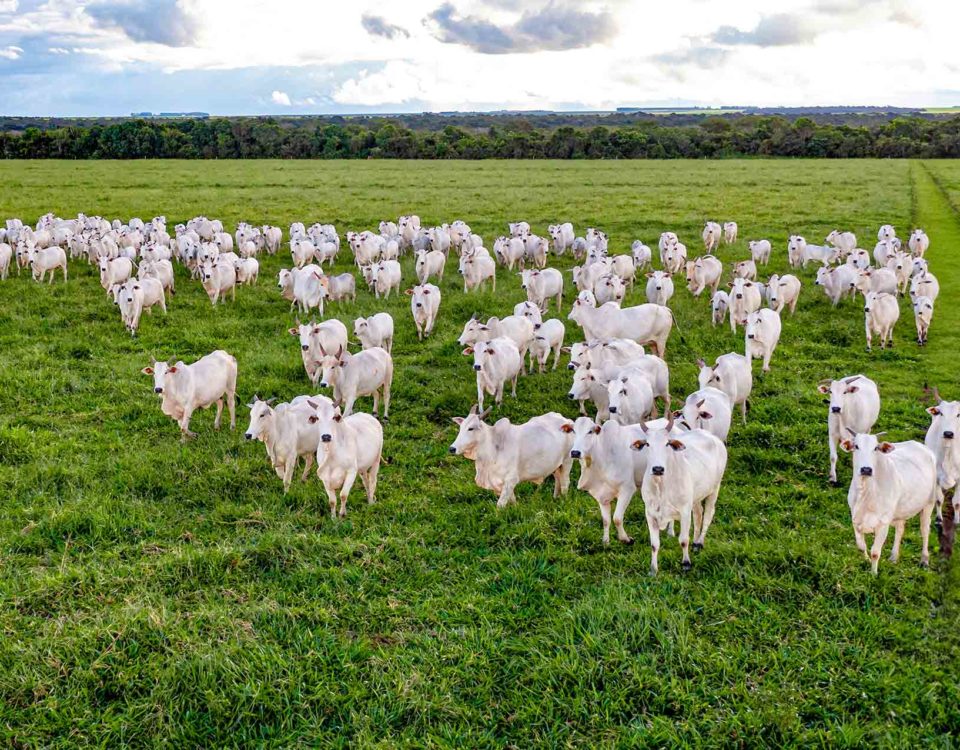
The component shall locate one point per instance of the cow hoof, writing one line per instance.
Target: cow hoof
(925, 564)
(628, 540)
(697, 546)
(686, 565)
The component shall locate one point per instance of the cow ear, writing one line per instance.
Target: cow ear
(468, 351)
(149, 371)
(566, 427)
(846, 445)
(172, 369)
(677, 445)
(337, 417)
(293, 331)
(313, 419)
(852, 389)
(933, 410)
(706, 415)
(457, 420)
(409, 292)
(823, 389)
(596, 429)
(885, 447)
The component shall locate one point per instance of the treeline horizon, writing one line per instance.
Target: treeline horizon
(266, 138)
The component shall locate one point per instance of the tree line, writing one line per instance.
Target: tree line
(266, 138)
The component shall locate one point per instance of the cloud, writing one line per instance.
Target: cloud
(698, 57)
(58, 51)
(553, 27)
(282, 98)
(9, 6)
(11, 52)
(159, 21)
(379, 26)
(779, 30)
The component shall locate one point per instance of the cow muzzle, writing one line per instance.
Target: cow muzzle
(613, 409)
(739, 296)
(325, 438)
(657, 471)
(866, 471)
(158, 390)
(835, 409)
(477, 368)
(304, 347)
(575, 454)
(248, 435)
(452, 450)
(948, 434)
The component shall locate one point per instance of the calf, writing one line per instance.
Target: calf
(375, 331)
(185, 388)
(547, 337)
(880, 313)
(682, 479)
(784, 291)
(719, 304)
(287, 433)
(703, 272)
(892, 483)
(854, 404)
(425, 304)
(46, 259)
(248, 269)
(369, 372)
(922, 315)
(731, 374)
(542, 285)
(659, 288)
(506, 454)
(351, 445)
(762, 335)
(495, 362)
(642, 255)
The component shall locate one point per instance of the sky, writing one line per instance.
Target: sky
(114, 57)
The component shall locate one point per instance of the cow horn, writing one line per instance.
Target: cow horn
(852, 432)
(473, 409)
(880, 434)
(270, 400)
(485, 412)
(825, 381)
(670, 422)
(643, 426)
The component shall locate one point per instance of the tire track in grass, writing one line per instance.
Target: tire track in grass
(935, 213)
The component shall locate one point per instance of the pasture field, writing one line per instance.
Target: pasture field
(157, 593)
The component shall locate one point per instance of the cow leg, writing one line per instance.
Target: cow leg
(513, 391)
(376, 402)
(288, 469)
(331, 498)
(556, 356)
(345, 491)
(506, 495)
(306, 469)
(185, 425)
(348, 407)
(216, 421)
(654, 529)
(898, 529)
(561, 477)
(925, 516)
(878, 539)
(869, 337)
(232, 406)
(369, 479)
(623, 502)
(832, 440)
(766, 360)
(605, 519)
(479, 395)
(709, 507)
(743, 410)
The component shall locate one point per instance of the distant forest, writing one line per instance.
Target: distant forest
(829, 133)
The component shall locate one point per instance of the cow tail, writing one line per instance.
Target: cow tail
(676, 325)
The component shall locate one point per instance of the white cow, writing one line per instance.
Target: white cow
(659, 288)
(819, 254)
(287, 433)
(922, 316)
(529, 311)
(630, 397)
(844, 242)
(161, 270)
(114, 271)
(515, 327)
(328, 336)
(547, 337)
(682, 480)
(185, 388)
(430, 264)
(495, 362)
(137, 295)
(674, 258)
(308, 289)
(561, 236)
(745, 298)
(375, 331)
(506, 454)
(302, 251)
(733, 375)
(924, 285)
(642, 255)
(6, 253)
(477, 270)
(509, 251)
(760, 251)
(369, 372)
(218, 279)
(386, 277)
(425, 305)
(880, 313)
(854, 404)
(783, 292)
(837, 282)
(610, 288)
(886, 233)
(876, 280)
(730, 232)
(707, 409)
(711, 236)
(645, 324)
(519, 228)
(942, 440)
(918, 243)
(745, 269)
(702, 273)
(350, 446)
(719, 305)
(542, 286)
(892, 483)
(762, 335)
(248, 270)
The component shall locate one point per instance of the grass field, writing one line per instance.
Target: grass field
(157, 593)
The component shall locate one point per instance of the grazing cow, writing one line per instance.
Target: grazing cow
(430, 264)
(711, 236)
(880, 313)
(844, 242)
(745, 298)
(642, 255)
(547, 337)
(542, 286)
(330, 335)
(733, 375)
(610, 288)
(114, 271)
(495, 362)
(561, 237)
(922, 315)
(702, 273)
(645, 324)
(837, 282)
(876, 280)
(918, 243)
(943, 440)
(375, 331)
(854, 404)
(287, 433)
(477, 270)
(218, 279)
(386, 276)
(515, 327)
(784, 291)
(924, 285)
(719, 304)
(760, 251)
(730, 232)
(707, 409)
(682, 479)
(630, 397)
(762, 335)
(350, 445)
(659, 288)
(369, 372)
(506, 454)
(425, 305)
(892, 483)
(745, 269)
(185, 388)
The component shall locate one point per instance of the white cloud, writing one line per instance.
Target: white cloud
(9, 6)
(58, 51)
(281, 98)
(11, 52)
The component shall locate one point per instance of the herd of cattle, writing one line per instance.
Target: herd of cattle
(677, 461)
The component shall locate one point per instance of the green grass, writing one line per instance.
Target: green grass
(153, 592)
